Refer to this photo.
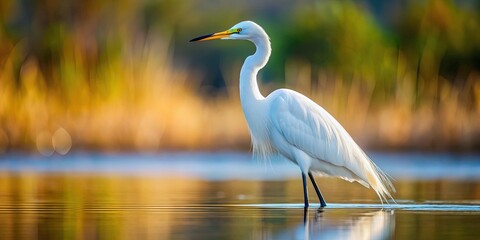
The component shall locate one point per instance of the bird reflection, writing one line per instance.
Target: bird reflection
(335, 224)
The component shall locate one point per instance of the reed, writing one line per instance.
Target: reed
(133, 103)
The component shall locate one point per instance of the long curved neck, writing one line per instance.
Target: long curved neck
(249, 92)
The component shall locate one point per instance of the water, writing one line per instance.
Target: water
(229, 196)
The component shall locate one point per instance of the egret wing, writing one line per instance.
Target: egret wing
(308, 127)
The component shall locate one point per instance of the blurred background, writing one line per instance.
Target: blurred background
(157, 144)
(123, 76)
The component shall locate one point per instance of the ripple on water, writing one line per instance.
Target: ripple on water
(437, 207)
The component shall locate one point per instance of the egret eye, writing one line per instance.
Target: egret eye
(239, 30)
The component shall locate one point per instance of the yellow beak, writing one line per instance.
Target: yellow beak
(213, 36)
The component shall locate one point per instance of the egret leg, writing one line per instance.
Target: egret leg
(305, 215)
(319, 194)
(305, 190)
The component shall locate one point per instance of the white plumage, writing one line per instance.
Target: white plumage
(290, 124)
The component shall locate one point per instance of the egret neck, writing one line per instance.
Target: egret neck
(249, 92)
(252, 100)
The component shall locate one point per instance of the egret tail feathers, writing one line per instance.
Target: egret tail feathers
(381, 184)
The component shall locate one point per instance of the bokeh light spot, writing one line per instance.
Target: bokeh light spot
(44, 143)
(62, 141)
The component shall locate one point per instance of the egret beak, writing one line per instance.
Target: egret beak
(213, 36)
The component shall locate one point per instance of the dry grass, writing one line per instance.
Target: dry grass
(140, 103)
(147, 104)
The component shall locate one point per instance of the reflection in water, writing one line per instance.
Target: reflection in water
(369, 225)
(83, 206)
(325, 225)
(57, 199)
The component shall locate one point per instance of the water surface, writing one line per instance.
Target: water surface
(228, 195)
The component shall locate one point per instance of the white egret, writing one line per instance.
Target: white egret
(290, 124)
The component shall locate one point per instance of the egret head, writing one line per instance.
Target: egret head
(246, 30)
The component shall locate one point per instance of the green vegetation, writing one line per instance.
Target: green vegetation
(122, 76)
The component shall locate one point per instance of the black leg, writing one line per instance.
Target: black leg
(305, 190)
(319, 194)
(305, 215)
